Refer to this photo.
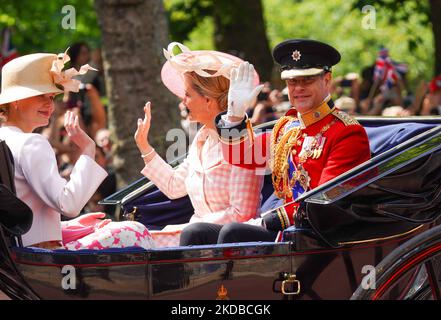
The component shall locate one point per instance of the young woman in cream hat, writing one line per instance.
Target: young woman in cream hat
(219, 192)
(29, 84)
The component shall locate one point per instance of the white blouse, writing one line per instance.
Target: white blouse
(40, 186)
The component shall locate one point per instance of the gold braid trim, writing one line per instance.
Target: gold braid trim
(280, 151)
(275, 134)
(233, 142)
(345, 118)
(281, 148)
(285, 215)
(282, 219)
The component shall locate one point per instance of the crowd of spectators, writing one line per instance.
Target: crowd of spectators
(383, 90)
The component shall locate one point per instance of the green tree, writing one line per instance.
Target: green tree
(239, 28)
(435, 18)
(337, 22)
(186, 15)
(132, 54)
(400, 12)
(340, 24)
(37, 25)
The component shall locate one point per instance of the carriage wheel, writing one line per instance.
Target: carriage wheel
(411, 271)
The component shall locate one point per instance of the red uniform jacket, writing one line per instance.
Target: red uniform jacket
(345, 146)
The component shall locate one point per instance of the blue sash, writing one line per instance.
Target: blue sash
(297, 189)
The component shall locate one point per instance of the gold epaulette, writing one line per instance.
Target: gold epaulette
(280, 126)
(345, 118)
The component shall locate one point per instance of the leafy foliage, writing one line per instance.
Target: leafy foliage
(403, 26)
(339, 23)
(186, 15)
(37, 27)
(401, 11)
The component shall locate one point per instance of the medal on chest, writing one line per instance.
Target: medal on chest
(302, 177)
(299, 180)
(312, 147)
(290, 178)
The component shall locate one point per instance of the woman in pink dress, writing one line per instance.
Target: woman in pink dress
(219, 192)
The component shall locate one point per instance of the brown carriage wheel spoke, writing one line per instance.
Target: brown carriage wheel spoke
(433, 280)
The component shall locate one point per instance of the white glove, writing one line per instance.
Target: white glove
(241, 94)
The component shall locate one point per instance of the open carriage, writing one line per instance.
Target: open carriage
(383, 213)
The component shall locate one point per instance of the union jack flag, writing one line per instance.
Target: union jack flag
(386, 71)
(8, 51)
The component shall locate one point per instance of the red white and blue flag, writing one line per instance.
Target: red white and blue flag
(386, 71)
(8, 51)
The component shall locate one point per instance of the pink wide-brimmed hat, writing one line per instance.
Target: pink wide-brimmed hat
(172, 73)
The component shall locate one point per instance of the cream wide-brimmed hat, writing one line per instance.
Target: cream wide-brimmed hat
(199, 61)
(36, 74)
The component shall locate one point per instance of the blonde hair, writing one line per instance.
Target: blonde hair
(212, 87)
(4, 112)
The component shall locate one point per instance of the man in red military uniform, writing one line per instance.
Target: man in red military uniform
(313, 143)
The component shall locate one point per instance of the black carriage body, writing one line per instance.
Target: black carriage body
(348, 226)
(246, 271)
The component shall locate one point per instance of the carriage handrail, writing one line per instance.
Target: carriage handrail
(417, 147)
(136, 188)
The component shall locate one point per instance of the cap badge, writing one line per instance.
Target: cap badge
(296, 55)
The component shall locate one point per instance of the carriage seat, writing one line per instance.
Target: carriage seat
(383, 138)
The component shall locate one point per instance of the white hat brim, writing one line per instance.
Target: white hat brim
(293, 73)
(16, 93)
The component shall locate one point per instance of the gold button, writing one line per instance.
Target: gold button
(294, 152)
(299, 143)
